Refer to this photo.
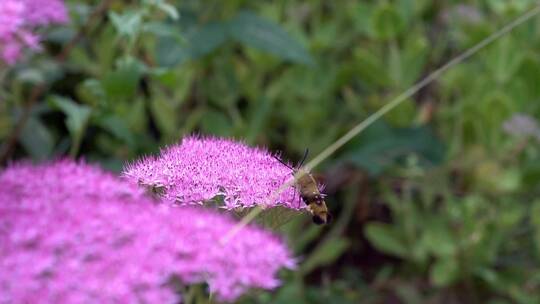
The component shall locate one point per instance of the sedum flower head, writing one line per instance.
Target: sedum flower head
(19, 20)
(71, 233)
(202, 168)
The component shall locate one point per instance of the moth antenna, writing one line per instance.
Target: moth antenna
(303, 158)
(281, 161)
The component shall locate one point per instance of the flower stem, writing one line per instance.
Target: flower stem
(391, 105)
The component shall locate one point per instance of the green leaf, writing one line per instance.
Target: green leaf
(252, 30)
(292, 292)
(437, 238)
(30, 75)
(222, 89)
(178, 80)
(246, 27)
(171, 51)
(44, 71)
(91, 91)
(259, 116)
(206, 38)
(304, 236)
(104, 52)
(214, 122)
(162, 29)
(61, 34)
(381, 146)
(385, 238)
(535, 221)
(127, 24)
(387, 23)
(137, 117)
(165, 116)
(510, 180)
(36, 139)
(167, 8)
(198, 41)
(370, 68)
(123, 82)
(444, 272)
(118, 128)
(414, 57)
(325, 254)
(76, 121)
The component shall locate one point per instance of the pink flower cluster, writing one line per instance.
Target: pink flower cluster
(19, 20)
(202, 168)
(71, 233)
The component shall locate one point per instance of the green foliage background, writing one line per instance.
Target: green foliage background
(435, 203)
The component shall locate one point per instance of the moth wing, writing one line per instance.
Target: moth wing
(278, 216)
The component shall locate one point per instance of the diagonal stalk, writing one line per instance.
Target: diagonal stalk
(385, 109)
